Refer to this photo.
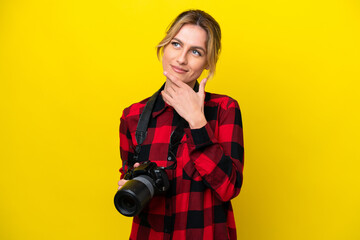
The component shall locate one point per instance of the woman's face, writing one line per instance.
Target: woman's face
(185, 55)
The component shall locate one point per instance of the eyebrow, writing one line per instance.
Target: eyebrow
(192, 46)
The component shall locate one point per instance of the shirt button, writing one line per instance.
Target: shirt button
(169, 158)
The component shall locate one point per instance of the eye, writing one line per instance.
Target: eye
(196, 52)
(175, 44)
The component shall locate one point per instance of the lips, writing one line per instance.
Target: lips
(179, 69)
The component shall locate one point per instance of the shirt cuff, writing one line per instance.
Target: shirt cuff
(200, 137)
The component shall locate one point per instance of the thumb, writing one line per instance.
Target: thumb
(202, 85)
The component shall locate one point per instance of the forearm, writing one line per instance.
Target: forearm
(219, 163)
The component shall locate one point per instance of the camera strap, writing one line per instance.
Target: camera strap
(141, 129)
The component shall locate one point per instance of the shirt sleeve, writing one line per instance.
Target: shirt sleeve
(219, 159)
(126, 149)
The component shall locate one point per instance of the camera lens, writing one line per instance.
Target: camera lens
(128, 203)
(134, 195)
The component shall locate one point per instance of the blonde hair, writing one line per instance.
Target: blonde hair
(203, 20)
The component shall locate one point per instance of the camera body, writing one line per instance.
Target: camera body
(143, 183)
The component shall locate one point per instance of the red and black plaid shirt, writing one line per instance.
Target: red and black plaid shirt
(208, 174)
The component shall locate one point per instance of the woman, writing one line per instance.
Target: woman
(209, 155)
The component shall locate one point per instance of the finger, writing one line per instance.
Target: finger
(202, 85)
(136, 165)
(166, 97)
(121, 182)
(169, 76)
(169, 88)
(171, 91)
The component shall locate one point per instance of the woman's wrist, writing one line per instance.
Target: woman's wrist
(197, 121)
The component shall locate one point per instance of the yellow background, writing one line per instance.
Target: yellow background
(68, 69)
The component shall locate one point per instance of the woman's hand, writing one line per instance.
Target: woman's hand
(187, 103)
(123, 181)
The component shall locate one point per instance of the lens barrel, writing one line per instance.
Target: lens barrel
(134, 195)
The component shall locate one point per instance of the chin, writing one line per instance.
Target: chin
(182, 77)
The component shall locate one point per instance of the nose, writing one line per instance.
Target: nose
(182, 57)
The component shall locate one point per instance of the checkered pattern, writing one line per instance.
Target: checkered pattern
(208, 174)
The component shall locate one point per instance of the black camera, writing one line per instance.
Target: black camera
(144, 181)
